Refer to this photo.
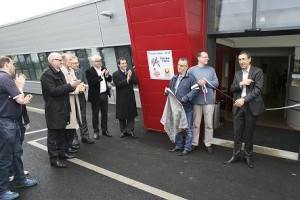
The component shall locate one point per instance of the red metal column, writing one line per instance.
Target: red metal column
(177, 25)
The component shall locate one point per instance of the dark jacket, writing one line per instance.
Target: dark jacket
(184, 91)
(125, 98)
(254, 91)
(94, 84)
(56, 91)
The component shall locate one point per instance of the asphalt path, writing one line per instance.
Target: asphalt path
(126, 168)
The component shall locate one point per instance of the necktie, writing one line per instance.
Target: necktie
(177, 83)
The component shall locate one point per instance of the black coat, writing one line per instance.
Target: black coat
(125, 98)
(254, 91)
(94, 84)
(56, 91)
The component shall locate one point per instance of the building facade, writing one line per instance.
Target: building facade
(130, 28)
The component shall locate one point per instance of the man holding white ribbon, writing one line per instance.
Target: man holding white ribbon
(247, 88)
(205, 100)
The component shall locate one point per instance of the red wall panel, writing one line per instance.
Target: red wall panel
(177, 25)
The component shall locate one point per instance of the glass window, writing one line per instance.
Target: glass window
(233, 15)
(83, 59)
(24, 66)
(125, 51)
(277, 14)
(30, 67)
(43, 57)
(37, 65)
(110, 60)
(17, 64)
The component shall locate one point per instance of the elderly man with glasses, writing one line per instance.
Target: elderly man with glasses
(56, 91)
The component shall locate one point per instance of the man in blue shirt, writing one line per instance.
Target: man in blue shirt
(11, 98)
(205, 101)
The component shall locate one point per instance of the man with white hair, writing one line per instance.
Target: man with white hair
(56, 91)
(97, 77)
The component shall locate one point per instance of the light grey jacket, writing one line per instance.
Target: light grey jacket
(174, 117)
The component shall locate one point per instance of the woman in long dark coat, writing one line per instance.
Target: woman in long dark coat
(126, 110)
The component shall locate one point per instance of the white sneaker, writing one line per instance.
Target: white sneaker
(11, 178)
(26, 172)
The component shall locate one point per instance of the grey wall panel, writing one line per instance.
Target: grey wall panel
(74, 28)
(17, 38)
(81, 26)
(114, 30)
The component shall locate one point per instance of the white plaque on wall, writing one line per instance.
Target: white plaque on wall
(160, 64)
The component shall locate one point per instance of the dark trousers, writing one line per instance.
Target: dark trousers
(55, 143)
(126, 125)
(69, 136)
(244, 124)
(100, 105)
(84, 132)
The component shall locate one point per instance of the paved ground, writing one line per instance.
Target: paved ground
(115, 168)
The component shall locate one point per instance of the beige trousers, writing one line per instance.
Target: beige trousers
(208, 112)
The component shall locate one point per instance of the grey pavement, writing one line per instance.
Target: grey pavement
(151, 169)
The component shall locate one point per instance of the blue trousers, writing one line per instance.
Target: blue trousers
(10, 153)
(189, 134)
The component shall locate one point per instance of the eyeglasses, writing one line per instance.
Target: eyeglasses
(181, 65)
(58, 60)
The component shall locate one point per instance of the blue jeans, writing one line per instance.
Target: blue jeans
(189, 134)
(10, 153)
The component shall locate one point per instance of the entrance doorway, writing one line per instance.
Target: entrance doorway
(275, 65)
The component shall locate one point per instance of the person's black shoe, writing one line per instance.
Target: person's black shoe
(232, 160)
(87, 140)
(106, 133)
(174, 150)
(184, 153)
(96, 136)
(66, 156)
(132, 134)
(70, 150)
(209, 149)
(76, 147)
(250, 162)
(58, 164)
(122, 135)
(194, 148)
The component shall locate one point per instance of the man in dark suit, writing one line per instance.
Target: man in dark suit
(247, 90)
(97, 77)
(56, 91)
(126, 110)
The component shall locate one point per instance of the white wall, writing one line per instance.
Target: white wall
(79, 26)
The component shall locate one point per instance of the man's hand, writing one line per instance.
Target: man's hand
(81, 87)
(184, 99)
(246, 82)
(201, 82)
(166, 92)
(74, 83)
(106, 73)
(27, 99)
(129, 74)
(20, 81)
(239, 102)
